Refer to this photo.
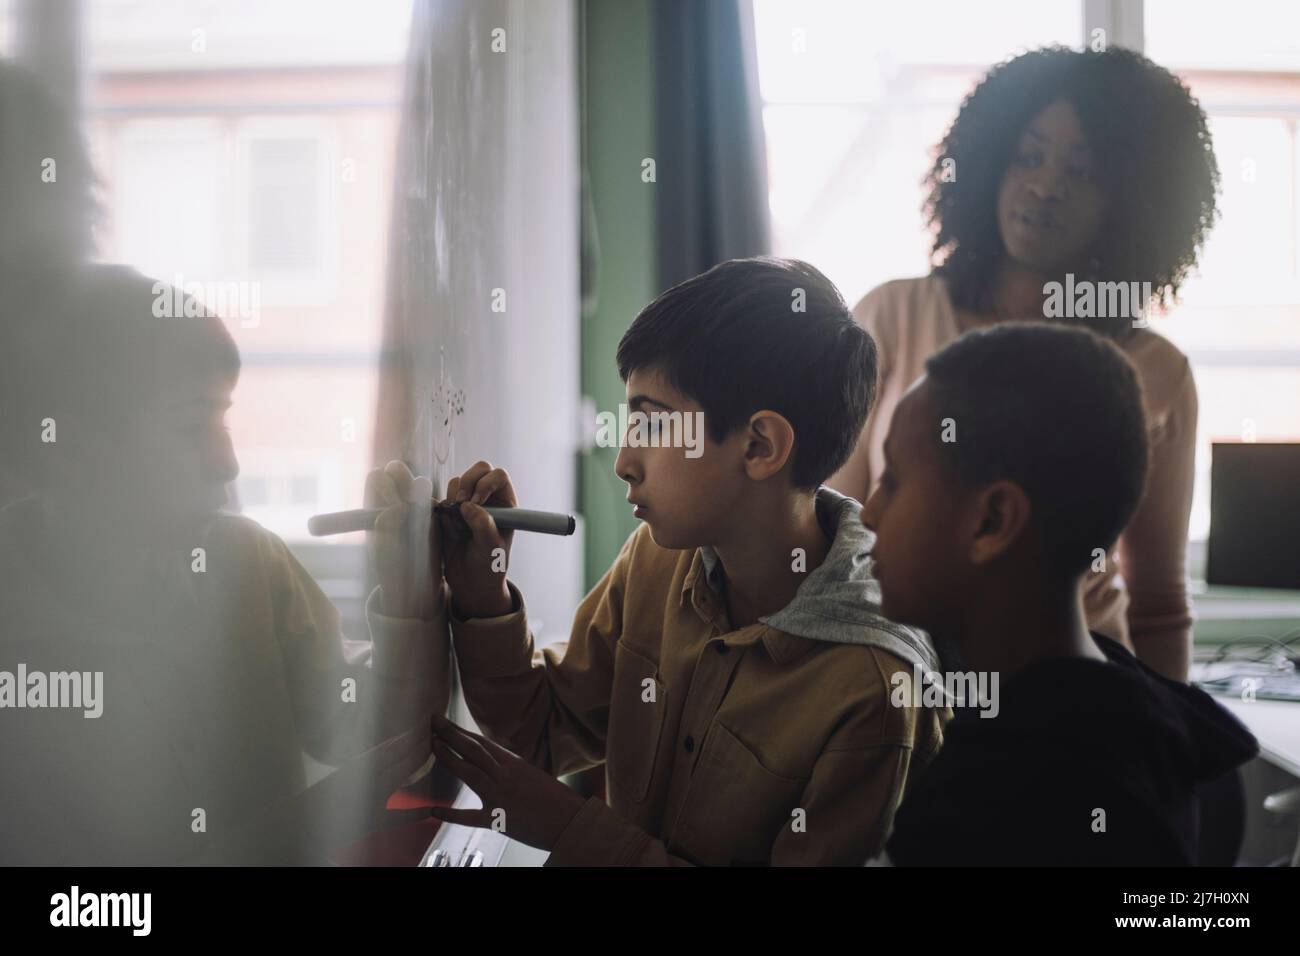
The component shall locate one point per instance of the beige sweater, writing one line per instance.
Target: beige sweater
(1142, 594)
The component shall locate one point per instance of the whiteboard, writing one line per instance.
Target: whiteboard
(481, 327)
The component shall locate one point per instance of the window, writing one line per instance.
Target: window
(8, 28)
(250, 145)
(165, 172)
(283, 207)
(287, 197)
(1239, 319)
(1255, 35)
(288, 485)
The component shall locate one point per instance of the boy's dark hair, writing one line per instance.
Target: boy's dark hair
(734, 340)
(95, 352)
(1155, 164)
(1059, 412)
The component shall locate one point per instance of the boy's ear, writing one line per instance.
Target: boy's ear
(1001, 514)
(769, 443)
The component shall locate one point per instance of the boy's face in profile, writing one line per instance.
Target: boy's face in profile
(171, 464)
(686, 501)
(917, 514)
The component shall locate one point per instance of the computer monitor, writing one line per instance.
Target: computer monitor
(1254, 515)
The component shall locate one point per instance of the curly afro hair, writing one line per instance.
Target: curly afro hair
(1154, 160)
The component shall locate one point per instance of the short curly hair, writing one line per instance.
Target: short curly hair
(1059, 412)
(1154, 157)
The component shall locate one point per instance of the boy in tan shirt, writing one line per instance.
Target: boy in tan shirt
(216, 659)
(731, 670)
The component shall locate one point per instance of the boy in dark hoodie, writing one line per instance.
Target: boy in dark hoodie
(1011, 466)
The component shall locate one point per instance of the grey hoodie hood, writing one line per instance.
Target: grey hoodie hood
(839, 601)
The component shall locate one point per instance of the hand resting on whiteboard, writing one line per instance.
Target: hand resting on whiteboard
(476, 553)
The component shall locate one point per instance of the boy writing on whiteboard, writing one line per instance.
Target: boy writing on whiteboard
(731, 669)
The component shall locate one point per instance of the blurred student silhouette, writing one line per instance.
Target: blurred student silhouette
(221, 659)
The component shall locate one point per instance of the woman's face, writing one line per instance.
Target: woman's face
(1050, 206)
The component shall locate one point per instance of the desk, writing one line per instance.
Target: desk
(1240, 614)
(1226, 614)
(1275, 724)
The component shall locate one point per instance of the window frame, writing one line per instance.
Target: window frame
(316, 286)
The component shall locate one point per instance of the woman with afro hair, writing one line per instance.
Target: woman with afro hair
(1078, 168)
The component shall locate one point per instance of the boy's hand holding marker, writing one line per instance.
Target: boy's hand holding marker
(475, 552)
(528, 803)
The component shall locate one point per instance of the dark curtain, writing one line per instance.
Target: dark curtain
(711, 165)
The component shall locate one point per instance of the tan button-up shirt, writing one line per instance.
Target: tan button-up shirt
(720, 746)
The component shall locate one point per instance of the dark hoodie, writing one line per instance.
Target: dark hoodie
(1073, 739)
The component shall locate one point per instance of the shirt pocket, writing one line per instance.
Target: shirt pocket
(636, 721)
(735, 807)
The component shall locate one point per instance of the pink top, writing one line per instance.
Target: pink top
(1142, 593)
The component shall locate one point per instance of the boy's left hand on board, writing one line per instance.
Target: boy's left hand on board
(527, 804)
(399, 543)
